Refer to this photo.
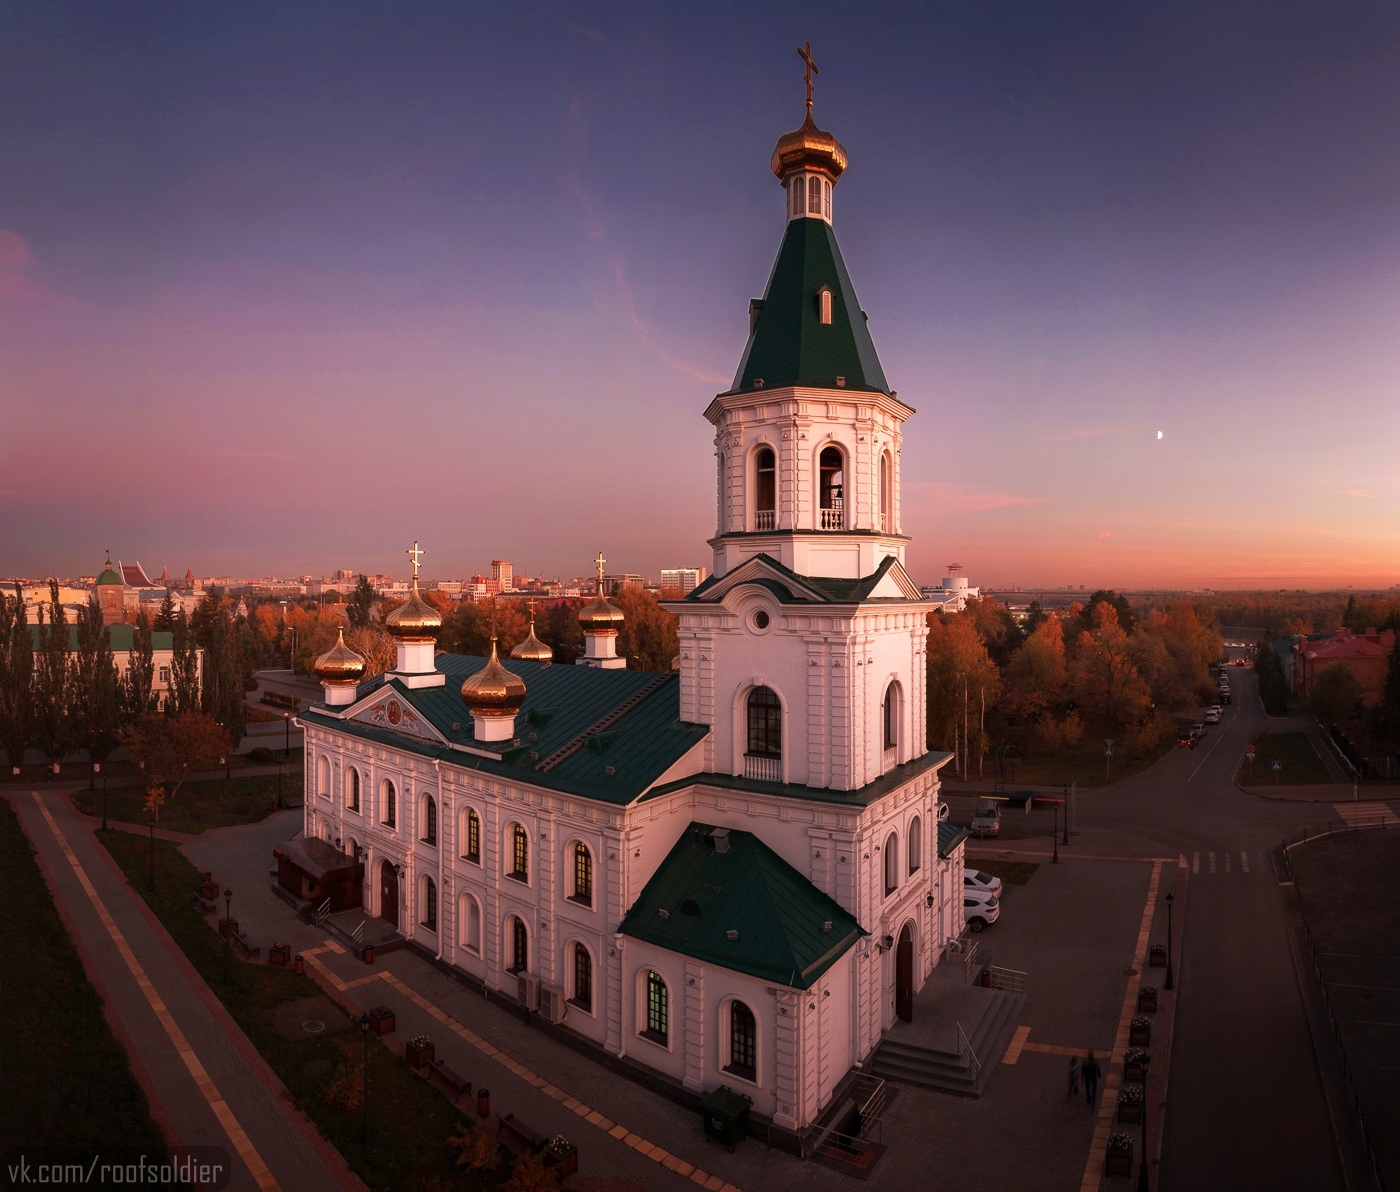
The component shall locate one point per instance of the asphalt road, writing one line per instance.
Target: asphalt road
(1246, 1107)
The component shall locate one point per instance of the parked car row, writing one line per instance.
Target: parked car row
(981, 899)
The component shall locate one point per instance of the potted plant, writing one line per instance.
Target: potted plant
(1140, 1031)
(381, 1019)
(279, 953)
(419, 1051)
(1147, 999)
(561, 1155)
(209, 889)
(1130, 1103)
(1135, 1061)
(228, 927)
(1118, 1159)
(1157, 958)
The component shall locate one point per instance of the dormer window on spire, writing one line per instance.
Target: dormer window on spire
(824, 306)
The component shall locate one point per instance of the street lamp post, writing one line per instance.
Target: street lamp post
(279, 784)
(228, 935)
(1142, 1164)
(364, 1034)
(1066, 813)
(1169, 984)
(287, 744)
(150, 852)
(1055, 836)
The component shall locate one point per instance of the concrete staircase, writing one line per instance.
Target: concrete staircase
(931, 1059)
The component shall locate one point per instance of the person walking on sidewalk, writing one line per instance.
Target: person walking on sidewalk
(1073, 1077)
(1091, 1073)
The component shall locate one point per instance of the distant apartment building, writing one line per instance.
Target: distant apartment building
(448, 587)
(503, 573)
(613, 584)
(1365, 654)
(684, 579)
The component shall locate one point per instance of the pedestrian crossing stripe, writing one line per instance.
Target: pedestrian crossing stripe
(1366, 815)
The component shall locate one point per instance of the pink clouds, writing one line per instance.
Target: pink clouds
(15, 260)
(962, 498)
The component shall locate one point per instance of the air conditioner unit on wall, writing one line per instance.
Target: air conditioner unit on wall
(552, 1004)
(528, 990)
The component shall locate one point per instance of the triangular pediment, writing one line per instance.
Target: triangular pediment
(889, 581)
(389, 709)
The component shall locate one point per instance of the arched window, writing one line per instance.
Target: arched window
(891, 864)
(798, 186)
(658, 1009)
(352, 788)
(429, 820)
(765, 489)
(916, 844)
(814, 195)
(583, 874)
(886, 493)
(831, 465)
(582, 995)
(470, 924)
(519, 946)
(471, 835)
(519, 854)
(891, 716)
(763, 758)
(826, 199)
(824, 305)
(323, 777)
(390, 799)
(429, 898)
(743, 1042)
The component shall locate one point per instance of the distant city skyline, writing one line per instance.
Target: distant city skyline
(287, 288)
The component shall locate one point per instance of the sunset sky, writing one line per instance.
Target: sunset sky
(286, 286)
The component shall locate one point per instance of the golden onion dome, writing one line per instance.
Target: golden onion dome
(339, 664)
(600, 616)
(532, 649)
(415, 621)
(493, 690)
(808, 148)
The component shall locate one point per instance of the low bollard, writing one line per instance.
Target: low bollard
(483, 1103)
(298, 967)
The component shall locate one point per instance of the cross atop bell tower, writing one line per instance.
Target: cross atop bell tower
(804, 52)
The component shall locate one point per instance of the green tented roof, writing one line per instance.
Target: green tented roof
(784, 929)
(789, 344)
(949, 837)
(802, 589)
(109, 576)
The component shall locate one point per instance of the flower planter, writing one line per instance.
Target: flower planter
(228, 927)
(563, 1162)
(1135, 1072)
(418, 1055)
(381, 1022)
(279, 954)
(1118, 1162)
(1140, 1032)
(1147, 1001)
(1129, 1111)
(1157, 958)
(209, 891)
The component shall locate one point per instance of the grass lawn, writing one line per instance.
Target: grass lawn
(1013, 873)
(411, 1121)
(218, 803)
(67, 1080)
(1082, 763)
(1301, 765)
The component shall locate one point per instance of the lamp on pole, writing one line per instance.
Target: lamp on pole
(287, 743)
(1168, 984)
(364, 1127)
(228, 935)
(279, 784)
(1142, 1164)
(1066, 813)
(1055, 836)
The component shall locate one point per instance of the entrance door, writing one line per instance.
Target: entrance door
(388, 893)
(904, 975)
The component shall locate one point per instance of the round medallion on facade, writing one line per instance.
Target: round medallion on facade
(393, 711)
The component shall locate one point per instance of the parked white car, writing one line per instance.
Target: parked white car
(980, 907)
(975, 879)
(1213, 714)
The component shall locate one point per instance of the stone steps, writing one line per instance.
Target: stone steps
(946, 1070)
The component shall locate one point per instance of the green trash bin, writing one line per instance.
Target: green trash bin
(726, 1116)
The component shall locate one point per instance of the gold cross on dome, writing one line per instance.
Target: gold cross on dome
(415, 554)
(532, 611)
(598, 562)
(805, 53)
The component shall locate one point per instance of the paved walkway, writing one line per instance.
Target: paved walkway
(201, 1073)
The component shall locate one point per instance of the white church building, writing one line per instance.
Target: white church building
(734, 873)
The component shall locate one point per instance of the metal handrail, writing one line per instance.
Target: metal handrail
(323, 912)
(1008, 978)
(965, 1049)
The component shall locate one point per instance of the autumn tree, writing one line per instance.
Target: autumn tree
(138, 693)
(375, 646)
(16, 679)
(53, 686)
(960, 675)
(183, 695)
(225, 675)
(648, 637)
(561, 630)
(360, 604)
(1123, 610)
(1334, 694)
(1038, 666)
(1104, 674)
(96, 687)
(1387, 714)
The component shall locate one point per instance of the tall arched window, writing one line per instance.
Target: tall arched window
(583, 874)
(891, 864)
(429, 919)
(743, 1042)
(352, 788)
(582, 995)
(470, 924)
(765, 489)
(658, 1026)
(826, 199)
(798, 189)
(471, 835)
(429, 820)
(519, 854)
(886, 493)
(916, 844)
(831, 465)
(891, 716)
(519, 946)
(814, 195)
(323, 777)
(764, 756)
(391, 806)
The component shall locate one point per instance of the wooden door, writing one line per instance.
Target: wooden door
(904, 975)
(388, 893)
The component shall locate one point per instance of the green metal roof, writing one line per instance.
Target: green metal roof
(789, 344)
(949, 837)
(561, 704)
(744, 909)
(120, 637)
(109, 576)
(791, 588)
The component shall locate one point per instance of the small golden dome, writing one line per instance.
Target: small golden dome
(339, 664)
(600, 616)
(532, 649)
(416, 621)
(493, 690)
(808, 148)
